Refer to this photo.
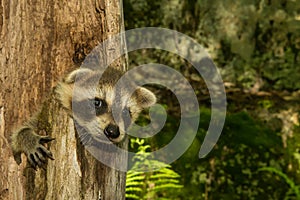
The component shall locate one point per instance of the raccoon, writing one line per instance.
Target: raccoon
(101, 112)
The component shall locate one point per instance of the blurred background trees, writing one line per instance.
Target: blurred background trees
(255, 45)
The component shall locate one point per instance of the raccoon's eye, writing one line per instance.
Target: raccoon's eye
(100, 106)
(98, 102)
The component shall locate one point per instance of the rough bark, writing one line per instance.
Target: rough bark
(40, 42)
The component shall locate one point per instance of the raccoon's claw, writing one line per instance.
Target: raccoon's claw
(46, 139)
(43, 152)
(38, 156)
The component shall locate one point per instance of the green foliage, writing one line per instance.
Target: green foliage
(294, 189)
(250, 41)
(150, 185)
(256, 46)
(229, 171)
(266, 103)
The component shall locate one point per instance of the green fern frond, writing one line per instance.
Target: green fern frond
(131, 196)
(133, 189)
(149, 185)
(130, 184)
(132, 173)
(165, 181)
(166, 186)
(290, 182)
(168, 176)
(135, 178)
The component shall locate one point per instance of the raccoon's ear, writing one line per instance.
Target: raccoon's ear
(64, 89)
(145, 98)
(81, 72)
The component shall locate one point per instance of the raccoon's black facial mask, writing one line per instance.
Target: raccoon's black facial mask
(90, 102)
(100, 106)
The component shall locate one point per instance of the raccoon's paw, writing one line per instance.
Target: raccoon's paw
(38, 153)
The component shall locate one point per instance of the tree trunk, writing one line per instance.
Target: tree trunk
(40, 42)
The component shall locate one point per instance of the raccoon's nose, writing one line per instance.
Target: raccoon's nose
(112, 131)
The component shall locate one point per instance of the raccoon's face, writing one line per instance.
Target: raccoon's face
(101, 111)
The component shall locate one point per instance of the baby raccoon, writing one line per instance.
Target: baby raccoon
(101, 112)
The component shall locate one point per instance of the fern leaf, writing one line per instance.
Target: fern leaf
(289, 181)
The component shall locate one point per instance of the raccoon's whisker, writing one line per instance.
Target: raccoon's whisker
(84, 137)
(90, 139)
(87, 140)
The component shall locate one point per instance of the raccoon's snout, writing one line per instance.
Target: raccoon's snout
(112, 131)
